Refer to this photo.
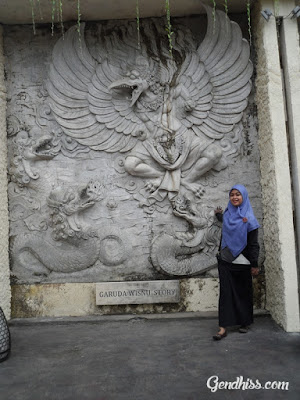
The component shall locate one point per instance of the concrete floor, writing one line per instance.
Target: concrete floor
(136, 358)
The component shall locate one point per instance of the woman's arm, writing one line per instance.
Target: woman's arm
(251, 252)
(219, 214)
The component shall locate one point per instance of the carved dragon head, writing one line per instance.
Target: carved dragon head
(183, 207)
(27, 150)
(45, 148)
(66, 204)
(69, 201)
(35, 147)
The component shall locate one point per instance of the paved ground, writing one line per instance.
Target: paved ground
(146, 359)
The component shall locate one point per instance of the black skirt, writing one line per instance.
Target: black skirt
(236, 294)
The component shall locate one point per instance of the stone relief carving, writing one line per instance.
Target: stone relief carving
(187, 253)
(29, 148)
(73, 246)
(161, 130)
(176, 121)
(66, 207)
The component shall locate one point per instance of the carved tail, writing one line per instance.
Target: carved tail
(169, 256)
(54, 256)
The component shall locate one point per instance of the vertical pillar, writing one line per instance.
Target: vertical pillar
(278, 227)
(5, 293)
(290, 55)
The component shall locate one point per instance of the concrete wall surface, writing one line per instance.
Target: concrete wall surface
(278, 226)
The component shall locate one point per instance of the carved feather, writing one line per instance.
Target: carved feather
(81, 101)
(217, 78)
(95, 103)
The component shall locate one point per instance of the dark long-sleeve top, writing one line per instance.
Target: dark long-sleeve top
(251, 251)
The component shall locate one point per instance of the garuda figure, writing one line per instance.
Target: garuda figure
(177, 117)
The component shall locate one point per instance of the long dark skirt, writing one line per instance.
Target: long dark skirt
(4, 337)
(236, 294)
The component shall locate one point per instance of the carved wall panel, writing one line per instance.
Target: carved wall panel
(119, 153)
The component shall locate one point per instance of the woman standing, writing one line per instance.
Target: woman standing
(237, 262)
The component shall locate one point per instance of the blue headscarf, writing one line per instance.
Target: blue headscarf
(237, 222)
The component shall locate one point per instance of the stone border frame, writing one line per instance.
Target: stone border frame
(5, 291)
(279, 230)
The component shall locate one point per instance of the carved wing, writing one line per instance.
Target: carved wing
(81, 101)
(215, 79)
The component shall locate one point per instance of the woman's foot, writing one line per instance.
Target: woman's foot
(221, 334)
(244, 329)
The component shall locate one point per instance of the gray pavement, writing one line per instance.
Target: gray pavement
(146, 358)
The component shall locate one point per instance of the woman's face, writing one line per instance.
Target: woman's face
(235, 198)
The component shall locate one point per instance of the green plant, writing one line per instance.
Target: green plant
(169, 26)
(57, 8)
(226, 6)
(137, 10)
(214, 13)
(53, 16)
(61, 17)
(78, 20)
(249, 21)
(32, 15)
(276, 7)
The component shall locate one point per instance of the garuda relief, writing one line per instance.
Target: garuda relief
(119, 174)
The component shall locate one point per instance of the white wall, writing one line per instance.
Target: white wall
(279, 230)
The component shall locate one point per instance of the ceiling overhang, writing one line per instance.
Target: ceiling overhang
(20, 11)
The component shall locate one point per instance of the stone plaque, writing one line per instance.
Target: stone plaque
(112, 293)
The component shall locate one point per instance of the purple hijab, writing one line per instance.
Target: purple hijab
(237, 222)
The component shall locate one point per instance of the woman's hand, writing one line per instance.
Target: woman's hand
(254, 271)
(219, 210)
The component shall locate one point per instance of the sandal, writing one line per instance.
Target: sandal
(220, 336)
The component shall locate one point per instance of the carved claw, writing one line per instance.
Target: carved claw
(151, 186)
(198, 190)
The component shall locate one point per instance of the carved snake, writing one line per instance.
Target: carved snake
(69, 256)
(170, 256)
(55, 256)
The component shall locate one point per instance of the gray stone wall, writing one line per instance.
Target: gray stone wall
(68, 192)
(80, 210)
(4, 261)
